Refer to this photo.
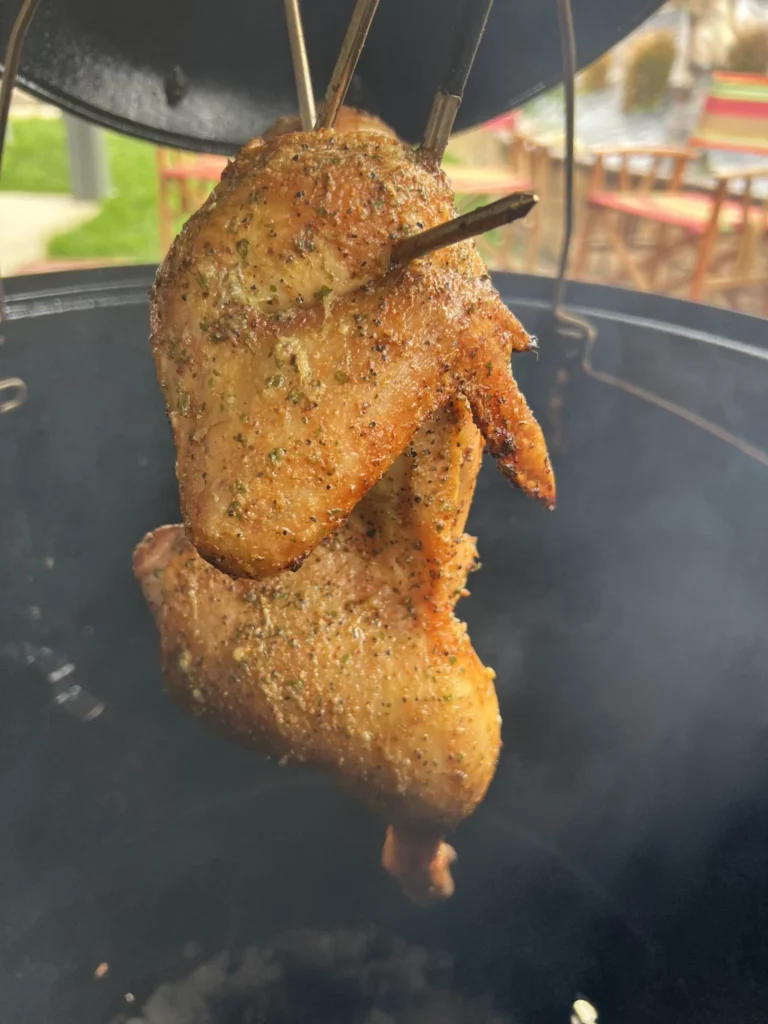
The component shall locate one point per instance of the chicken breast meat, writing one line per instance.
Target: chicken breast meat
(297, 363)
(355, 663)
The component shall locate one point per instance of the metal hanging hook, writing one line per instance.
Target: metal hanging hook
(12, 384)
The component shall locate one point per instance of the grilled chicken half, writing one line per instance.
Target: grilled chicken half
(355, 663)
(297, 363)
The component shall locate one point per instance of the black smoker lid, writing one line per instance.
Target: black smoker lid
(114, 64)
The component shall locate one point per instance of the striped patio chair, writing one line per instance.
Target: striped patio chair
(734, 116)
(706, 241)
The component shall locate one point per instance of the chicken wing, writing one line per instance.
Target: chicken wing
(355, 663)
(297, 364)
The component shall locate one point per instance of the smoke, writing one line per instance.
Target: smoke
(308, 977)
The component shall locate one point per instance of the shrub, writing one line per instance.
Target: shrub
(749, 51)
(648, 69)
(595, 77)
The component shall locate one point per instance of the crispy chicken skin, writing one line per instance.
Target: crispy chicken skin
(349, 119)
(297, 365)
(355, 663)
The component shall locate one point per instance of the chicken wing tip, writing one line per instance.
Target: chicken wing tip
(151, 556)
(423, 868)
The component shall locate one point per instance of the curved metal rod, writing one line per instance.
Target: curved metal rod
(11, 66)
(742, 445)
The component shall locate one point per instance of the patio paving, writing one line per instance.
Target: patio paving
(29, 220)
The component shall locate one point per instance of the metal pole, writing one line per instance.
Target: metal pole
(568, 322)
(89, 172)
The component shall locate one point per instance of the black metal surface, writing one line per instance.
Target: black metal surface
(622, 849)
(213, 76)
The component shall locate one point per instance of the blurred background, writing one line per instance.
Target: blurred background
(671, 185)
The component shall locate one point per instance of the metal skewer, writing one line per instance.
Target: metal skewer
(300, 65)
(476, 222)
(351, 48)
(448, 98)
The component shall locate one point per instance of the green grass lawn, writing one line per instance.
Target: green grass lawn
(35, 158)
(126, 225)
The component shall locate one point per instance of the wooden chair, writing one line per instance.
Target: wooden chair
(717, 228)
(712, 241)
(624, 183)
(733, 251)
(184, 181)
(527, 170)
